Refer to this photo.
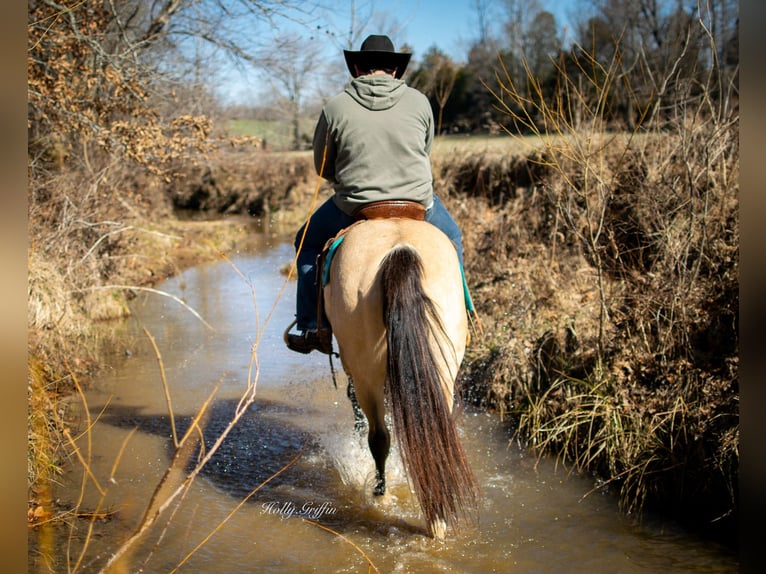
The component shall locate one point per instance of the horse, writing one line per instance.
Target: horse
(396, 303)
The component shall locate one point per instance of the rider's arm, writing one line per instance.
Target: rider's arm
(324, 150)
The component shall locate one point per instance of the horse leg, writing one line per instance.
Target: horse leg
(379, 441)
(358, 413)
(371, 401)
(378, 438)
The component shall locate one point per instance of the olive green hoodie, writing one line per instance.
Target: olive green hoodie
(378, 134)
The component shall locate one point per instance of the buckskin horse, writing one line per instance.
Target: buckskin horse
(395, 299)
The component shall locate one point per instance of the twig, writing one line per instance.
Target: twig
(158, 504)
(100, 239)
(234, 511)
(68, 435)
(151, 290)
(164, 387)
(346, 540)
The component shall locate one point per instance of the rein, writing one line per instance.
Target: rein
(332, 370)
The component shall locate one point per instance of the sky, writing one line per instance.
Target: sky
(451, 25)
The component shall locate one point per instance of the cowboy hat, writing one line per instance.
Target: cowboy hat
(377, 53)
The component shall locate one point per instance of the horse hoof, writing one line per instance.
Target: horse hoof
(380, 489)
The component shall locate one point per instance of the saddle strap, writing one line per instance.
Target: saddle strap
(402, 208)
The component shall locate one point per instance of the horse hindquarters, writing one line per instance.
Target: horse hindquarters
(421, 411)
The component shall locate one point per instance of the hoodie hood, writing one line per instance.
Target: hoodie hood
(376, 92)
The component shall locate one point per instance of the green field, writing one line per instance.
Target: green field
(278, 135)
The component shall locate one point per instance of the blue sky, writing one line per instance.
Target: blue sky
(451, 24)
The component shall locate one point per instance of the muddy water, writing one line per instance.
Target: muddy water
(533, 518)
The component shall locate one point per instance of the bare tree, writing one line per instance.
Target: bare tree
(292, 69)
(436, 78)
(668, 50)
(96, 68)
(542, 44)
(520, 15)
(346, 24)
(481, 9)
(446, 74)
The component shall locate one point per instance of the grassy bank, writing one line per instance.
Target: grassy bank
(96, 239)
(604, 270)
(606, 273)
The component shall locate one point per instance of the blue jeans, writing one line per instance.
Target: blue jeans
(325, 223)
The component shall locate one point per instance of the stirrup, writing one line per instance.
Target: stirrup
(310, 340)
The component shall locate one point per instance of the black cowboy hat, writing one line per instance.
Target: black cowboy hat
(377, 53)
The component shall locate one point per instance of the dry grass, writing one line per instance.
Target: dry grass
(566, 346)
(601, 266)
(601, 351)
(93, 246)
(604, 269)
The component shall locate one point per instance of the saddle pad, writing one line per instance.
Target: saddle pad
(328, 258)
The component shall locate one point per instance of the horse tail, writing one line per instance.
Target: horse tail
(423, 423)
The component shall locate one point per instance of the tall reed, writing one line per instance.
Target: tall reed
(637, 384)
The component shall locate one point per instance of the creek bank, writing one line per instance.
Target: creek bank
(596, 348)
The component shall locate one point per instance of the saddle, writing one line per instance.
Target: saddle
(391, 208)
(385, 209)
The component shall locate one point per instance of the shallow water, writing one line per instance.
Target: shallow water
(532, 517)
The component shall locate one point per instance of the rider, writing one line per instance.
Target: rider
(372, 142)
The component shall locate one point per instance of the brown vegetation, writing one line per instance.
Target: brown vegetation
(628, 372)
(604, 266)
(624, 251)
(619, 356)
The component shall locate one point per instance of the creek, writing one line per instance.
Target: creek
(533, 515)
